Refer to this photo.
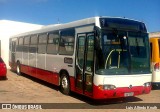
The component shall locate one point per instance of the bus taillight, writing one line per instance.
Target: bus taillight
(157, 67)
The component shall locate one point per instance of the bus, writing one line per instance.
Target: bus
(99, 57)
(155, 60)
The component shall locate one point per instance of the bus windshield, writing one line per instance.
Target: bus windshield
(122, 53)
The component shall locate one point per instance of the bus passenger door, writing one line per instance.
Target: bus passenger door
(84, 63)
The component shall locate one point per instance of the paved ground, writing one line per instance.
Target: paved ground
(25, 89)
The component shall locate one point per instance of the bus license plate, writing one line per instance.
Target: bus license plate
(128, 94)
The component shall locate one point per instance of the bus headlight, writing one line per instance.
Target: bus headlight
(107, 87)
(147, 84)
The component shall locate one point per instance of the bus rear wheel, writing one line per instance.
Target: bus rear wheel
(65, 84)
(18, 69)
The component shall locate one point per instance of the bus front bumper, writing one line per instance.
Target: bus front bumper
(120, 92)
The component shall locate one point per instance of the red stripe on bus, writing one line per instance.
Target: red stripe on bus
(72, 83)
(45, 75)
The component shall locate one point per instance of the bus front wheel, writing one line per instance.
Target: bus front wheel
(65, 84)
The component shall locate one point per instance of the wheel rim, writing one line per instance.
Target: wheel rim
(18, 70)
(64, 82)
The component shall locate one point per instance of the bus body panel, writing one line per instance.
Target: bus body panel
(33, 59)
(41, 61)
(125, 85)
(25, 59)
(19, 56)
(56, 63)
(122, 80)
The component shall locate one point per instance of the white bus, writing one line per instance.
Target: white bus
(99, 57)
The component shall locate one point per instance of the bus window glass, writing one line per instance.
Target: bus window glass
(26, 44)
(122, 24)
(43, 39)
(137, 44)
(19, 47)
(53, 41)
(34, 39)
(42, 48)
(42, 43)
(80, 52)
(26, 40)
(33, 44)
(90, 51)
(139, 52)
(66, 45)
(33, 48)
(21, 41)
(17, 41)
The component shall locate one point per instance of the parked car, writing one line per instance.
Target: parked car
(3, 69)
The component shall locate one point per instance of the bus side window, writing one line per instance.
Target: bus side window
(26, 44)
(42, 43)
(19, 47)
(66, 45)
(53, 42)
(33, 44)
(90, 52)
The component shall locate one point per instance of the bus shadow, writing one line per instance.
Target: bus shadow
(44, 83)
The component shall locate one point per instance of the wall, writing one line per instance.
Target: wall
(10, 28)
(154, 34)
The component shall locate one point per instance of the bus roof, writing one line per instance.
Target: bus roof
(78, 23)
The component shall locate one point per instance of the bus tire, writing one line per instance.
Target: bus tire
(64, 84)
(18, 69)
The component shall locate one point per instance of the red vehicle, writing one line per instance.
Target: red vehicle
(3, 69)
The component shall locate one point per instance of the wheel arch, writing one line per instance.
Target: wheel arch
(18, 61)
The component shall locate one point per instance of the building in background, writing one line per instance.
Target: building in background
(8, 29)
(154, 34)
